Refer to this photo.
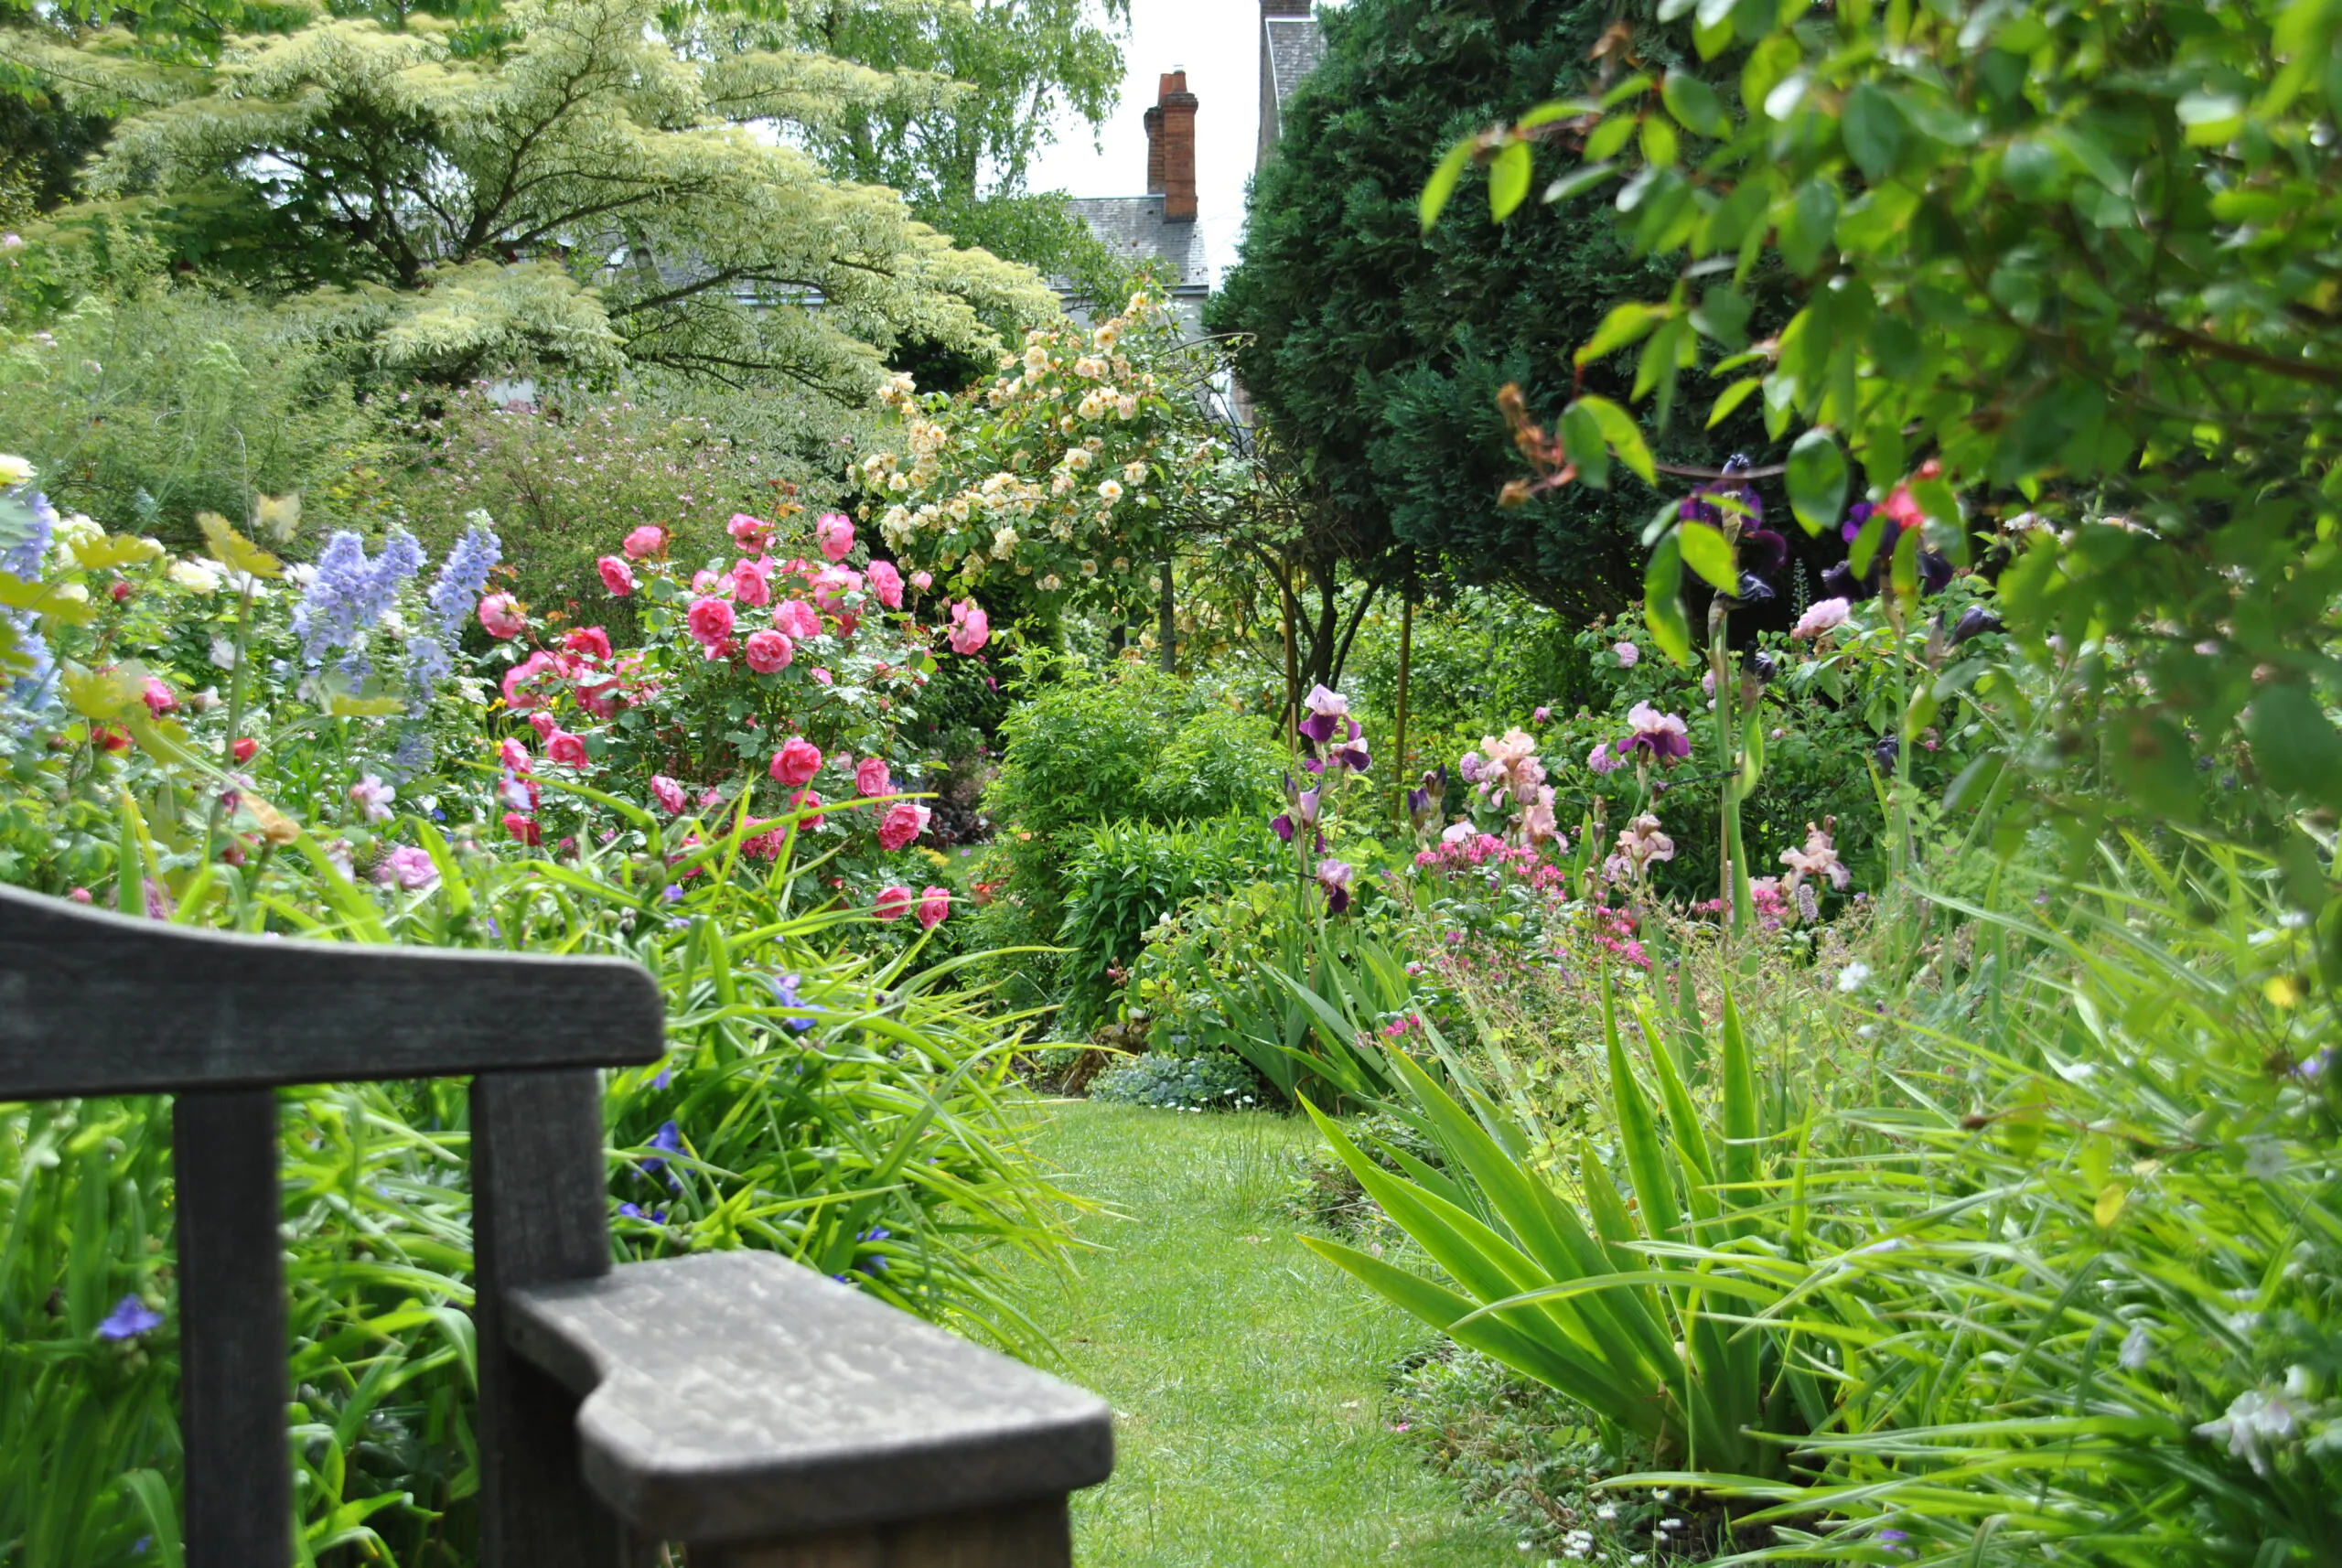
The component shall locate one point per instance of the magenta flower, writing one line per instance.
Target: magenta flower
(894, 902)
(668, 794)
(887, 584)
(752, 534)
(709, 621)
(970, 627)
(797, 761)
(904, 821)
(798, 619)
(871, 778)
(934, 905)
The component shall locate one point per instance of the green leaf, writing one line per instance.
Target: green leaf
(1663, 601)
(1624, 324)
(1606, 139)
(1442, 184)
(1695, 105)
(1707, 551)
(2294, 743)
(1582, 178)
(1732, 397)
(1583, 443)
(1872, 125)
(2212, 119)
(1509, 179)
(1722, 315)
(1626, 437)
(1817, 480)
(1805, 230)
(1867, 542)
(233, 551)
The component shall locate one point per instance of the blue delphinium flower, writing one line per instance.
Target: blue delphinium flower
(411, 759)
(23, 559)
(350, 592)
(130, 1319)
(453, 595)
(784, 992)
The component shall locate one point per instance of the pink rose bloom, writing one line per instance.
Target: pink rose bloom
(871, 778)
(831, 585)
(770, 651)
(797, 761)
(668, 794)
(922, 581)
(709, 583)
(934, 904)
(904, 821)
(599, 696)
(798, 619)
(408, 868)
(514, 756)
(520, 682)
(1828, 614)
(1628, 653)
(821, 675)
(835, 534)
(648, 540)
(749, 532)
(544, 724)
(617, 576)
(522, 829)
(158, 698)
(501, 617)
(970, 627)
(590, 640)
(1603, 759)
(372, 798)
(709, 621)
(565, 748)
(887, 584)
(806, 801)
(1903, 507)
(1540, 715)
(749, 584)
(894, 903)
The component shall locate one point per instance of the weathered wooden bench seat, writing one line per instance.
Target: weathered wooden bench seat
(761, 1413)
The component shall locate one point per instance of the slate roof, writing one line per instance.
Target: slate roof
(1135, 229)
(1291, 48)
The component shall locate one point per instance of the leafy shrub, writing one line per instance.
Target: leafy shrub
(1209, 1081)
(1218, 764)
(1131, 876)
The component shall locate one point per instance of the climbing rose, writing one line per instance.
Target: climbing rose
(922, 581)
(749, 532)
(668, 794)
(1628, 653)
(806, 801)
(565, 748)
(887, 584)
(798, 619)
(709, 621)
(934, 904)
(871, 778)
(513, 755)
(406, 867)
(617, 576)
(904, 821)
(835, 534)
(648, 540)
(970, 627)
(590, 640)
(159, 699)
(749, 582)
(501, 615)
(245, 749)
(522, 829)
(797, 761)
(770, 651)
(894, 903)
(832, 583)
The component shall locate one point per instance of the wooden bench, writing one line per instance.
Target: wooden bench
(761, 1413)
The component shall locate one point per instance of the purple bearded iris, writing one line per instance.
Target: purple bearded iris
(1839, 582)
(1327, 708)
(1732, 505)
(1425, 805)
(1334, 876)
(1300, 810)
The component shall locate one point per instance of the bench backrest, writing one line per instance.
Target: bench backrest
(97, 1003)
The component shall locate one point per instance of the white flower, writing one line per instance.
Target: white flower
(2253, 1419)
(1135, 472)
(2265, 1159)
(1326, 703)
(1626, 653)
(372, 798)
(1109, 492)
(1853, 976)
(197, 576)
(2136, 1347)
(74, 593)
(1004, 542)
(14, 470)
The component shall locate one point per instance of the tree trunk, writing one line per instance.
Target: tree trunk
(1166, 629)
(1292, 663)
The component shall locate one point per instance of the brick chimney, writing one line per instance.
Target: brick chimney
(1171, 146)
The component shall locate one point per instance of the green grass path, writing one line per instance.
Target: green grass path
(1246, 1375)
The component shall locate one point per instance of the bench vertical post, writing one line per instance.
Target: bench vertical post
(540, 1216)
(233, 1376)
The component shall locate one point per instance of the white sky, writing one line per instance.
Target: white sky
(1218, 42)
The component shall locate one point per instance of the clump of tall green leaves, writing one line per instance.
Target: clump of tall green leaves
(1632, 1296)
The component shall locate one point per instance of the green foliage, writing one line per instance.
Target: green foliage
(1131, 876)
(1210, 1081)
(1378, 352)
(2080, 264)
(148, 404)
(1218, 763)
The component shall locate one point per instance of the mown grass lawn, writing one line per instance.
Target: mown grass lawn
(1247, 1377)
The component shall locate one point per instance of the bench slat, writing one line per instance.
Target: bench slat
(92, 1002)
(741, 1397)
